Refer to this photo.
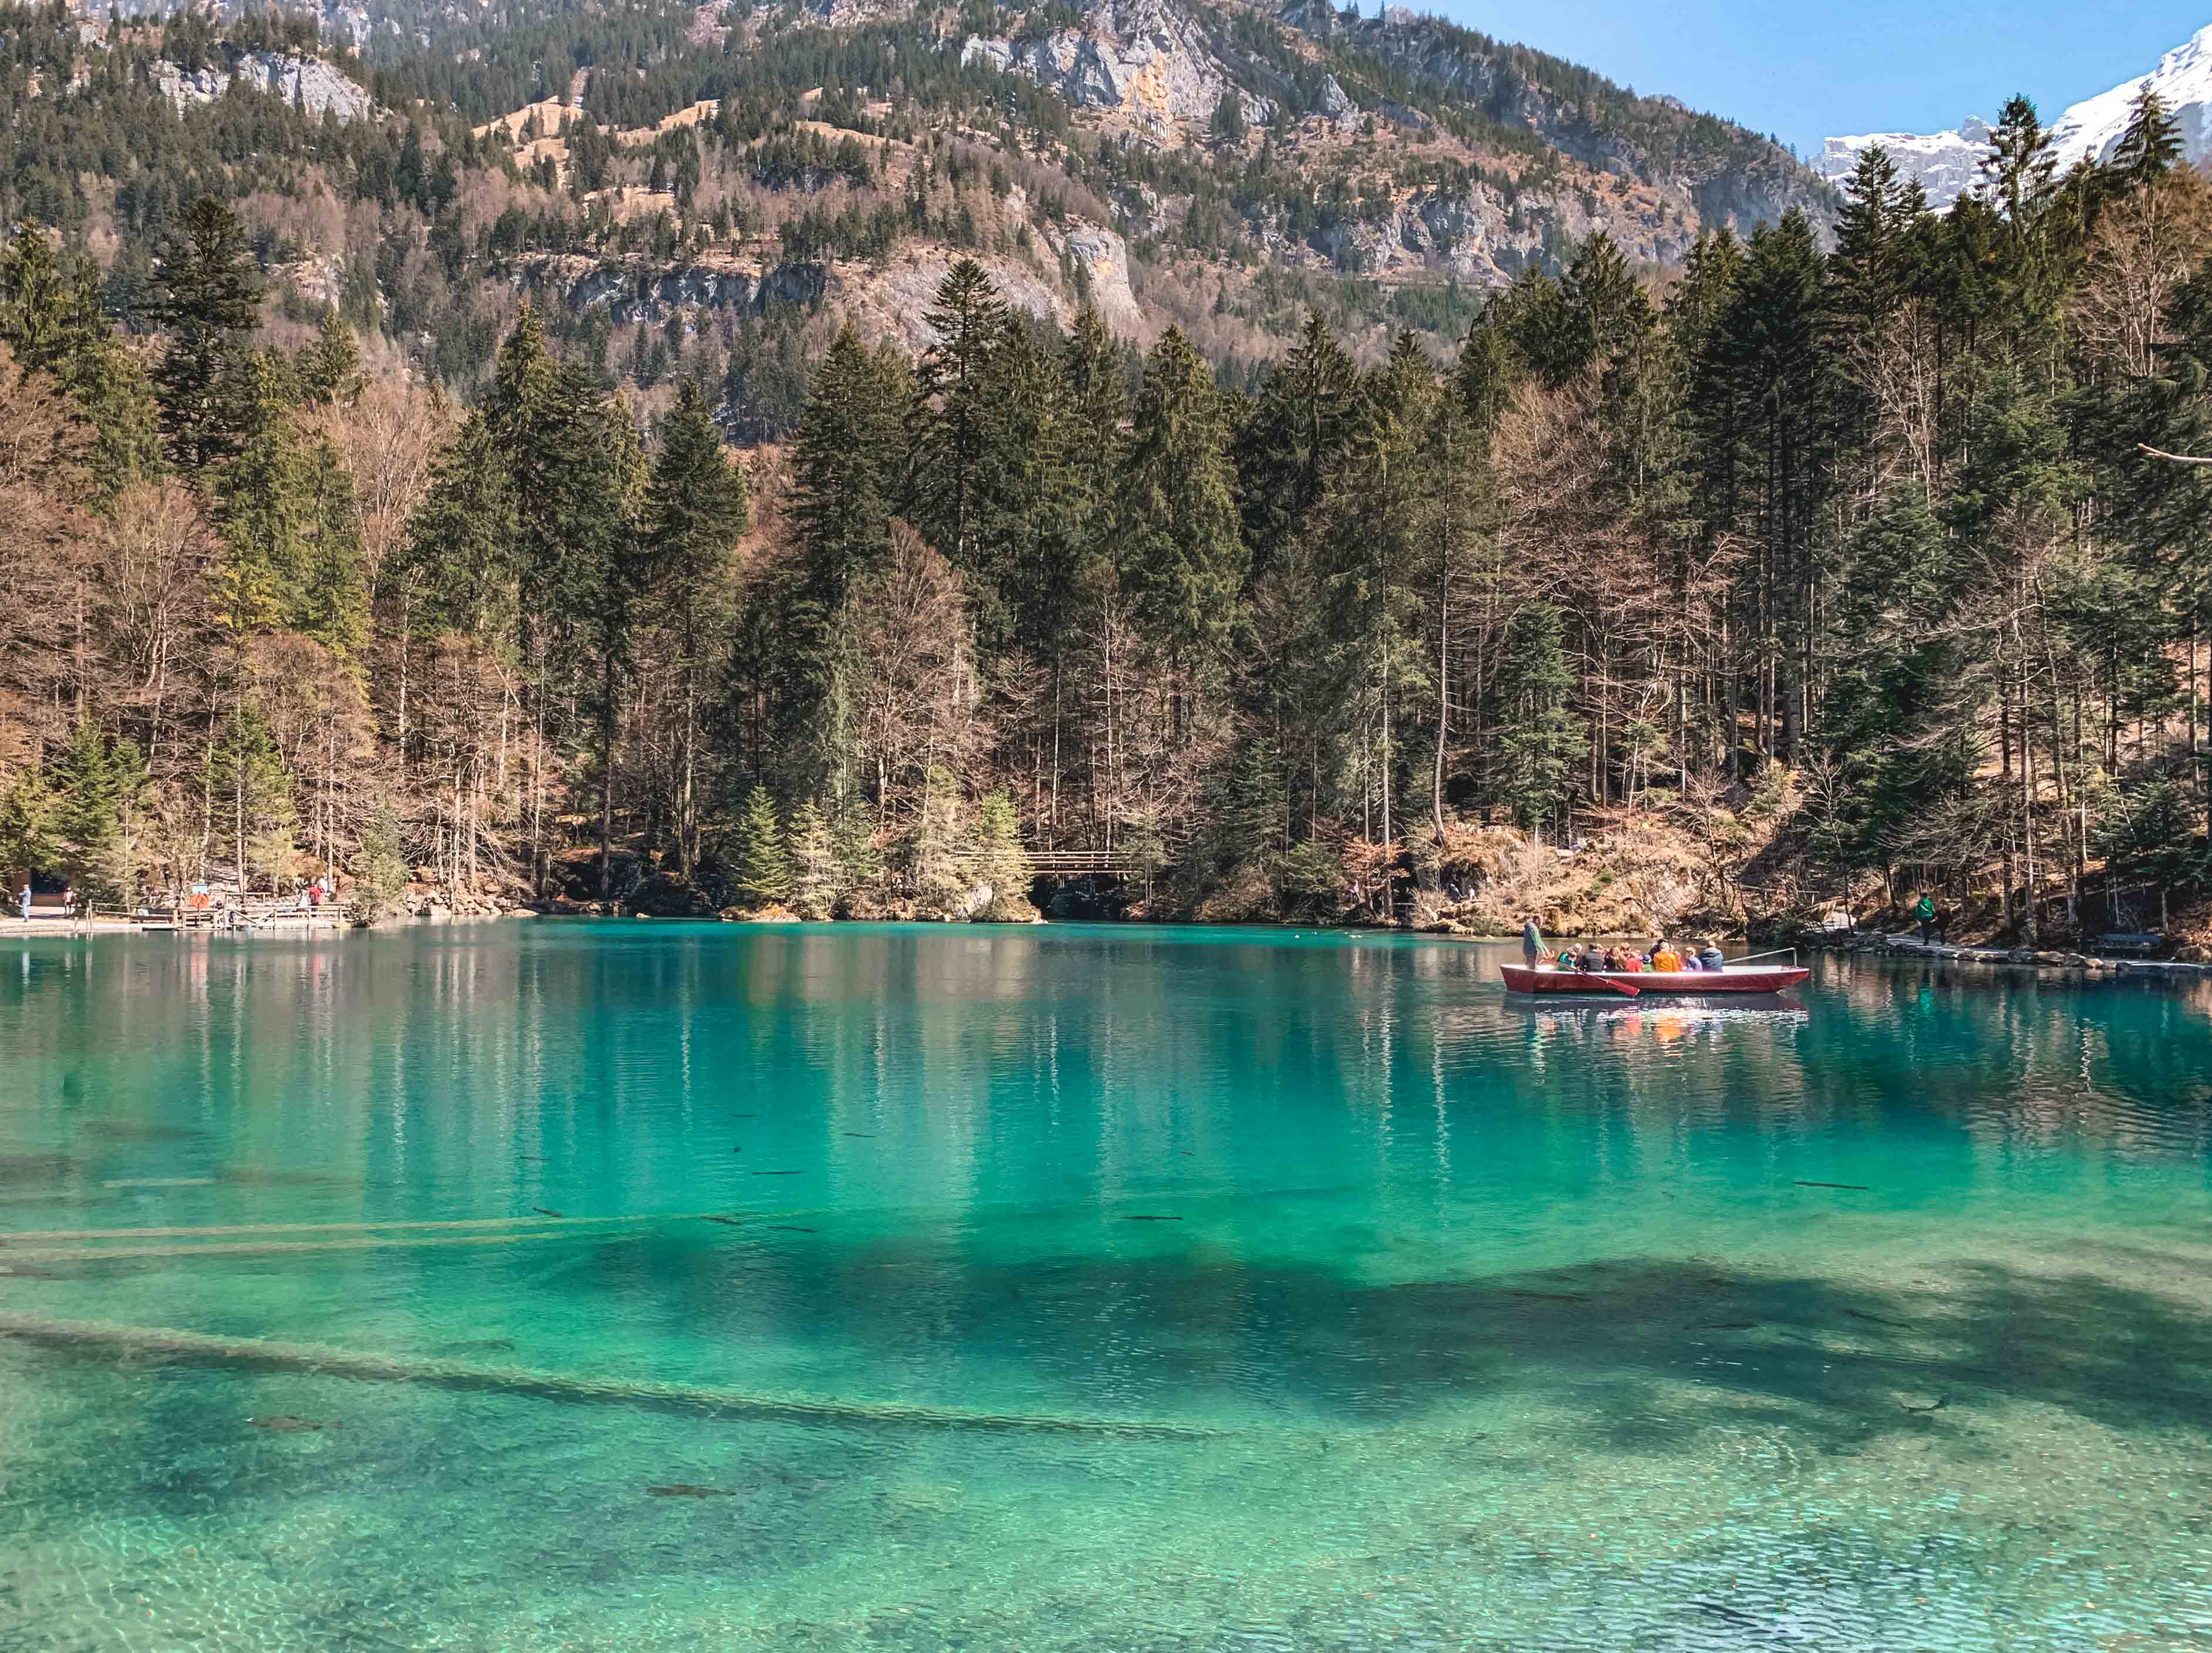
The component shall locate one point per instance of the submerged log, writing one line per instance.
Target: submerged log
(317, 1359)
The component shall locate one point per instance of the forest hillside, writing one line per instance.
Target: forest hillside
(723, 459)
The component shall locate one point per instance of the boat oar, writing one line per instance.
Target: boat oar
(1621, 988)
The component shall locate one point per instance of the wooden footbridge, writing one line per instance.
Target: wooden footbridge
(1084, 864)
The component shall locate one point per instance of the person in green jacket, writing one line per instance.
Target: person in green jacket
(1924, 910)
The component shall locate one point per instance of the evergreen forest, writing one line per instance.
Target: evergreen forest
(1862, 549)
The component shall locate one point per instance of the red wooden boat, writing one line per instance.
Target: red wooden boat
(1639, 984)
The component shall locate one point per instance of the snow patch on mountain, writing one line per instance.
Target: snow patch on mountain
(1944, 164)
(1947, 163)
(2182, 81)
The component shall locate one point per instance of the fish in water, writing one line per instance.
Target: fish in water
(775, 1173)
(1852, 1188)
(543, 1212)
(285, 1424)
(1151, 1219)
(1877, 1320)
(1729, 1325)
(685, 1489)
(793, 1228)
(479, 1346)
(1550, 1297)
(160, 1181)
(867, 1135)
(728, 1222)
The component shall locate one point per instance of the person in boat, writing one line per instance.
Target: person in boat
(1710, 956)
(1632, 962)
(1690, 960)
(1532, 942)
(1665, 959)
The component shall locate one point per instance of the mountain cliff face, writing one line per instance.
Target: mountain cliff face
(1947, 163)
(719, 182)
(307, 83)
(1472, 160)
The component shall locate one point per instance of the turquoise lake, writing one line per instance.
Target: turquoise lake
(1102, 1288)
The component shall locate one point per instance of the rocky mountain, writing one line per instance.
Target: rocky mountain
(1947, 163)
(306, 83)
(712, 186)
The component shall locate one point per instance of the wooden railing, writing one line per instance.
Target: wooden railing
(1080, 863)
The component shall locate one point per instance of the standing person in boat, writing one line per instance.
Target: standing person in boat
(1532, 942)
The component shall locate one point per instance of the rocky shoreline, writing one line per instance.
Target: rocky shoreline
(2045, 961)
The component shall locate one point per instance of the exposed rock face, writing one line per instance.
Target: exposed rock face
(640, 292)
(1145, 59)
(1474, 237)
(885, 302)
(307, 82)
(1724, 173)
(1105, 260)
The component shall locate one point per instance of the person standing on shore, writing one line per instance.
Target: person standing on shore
(1924, 910)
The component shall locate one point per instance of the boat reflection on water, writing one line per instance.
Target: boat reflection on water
(1664, 1020)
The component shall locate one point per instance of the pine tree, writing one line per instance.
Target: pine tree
(97, 785)
(210, 300)
(49, 318)
(250, 795)
(997, 858)
(2151, 148)
(762, 875)
(859, 864)
(695, 508)
(848, 462)
(1538, 738)
(1607, 311)
(953, 422)
(848, 465)
(1372, 530)
(1183, 559)
(331, 602)
(381, 881)
(49, 314)
(264, 508)
(461, 545)
(329, 369)
(936, 860)
(30, 839)
(1868, 270)
(1303, 419)
(814, 873)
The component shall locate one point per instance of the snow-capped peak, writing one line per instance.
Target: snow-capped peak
(2182, 81)
(1947, 163)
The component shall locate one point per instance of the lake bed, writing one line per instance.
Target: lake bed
(1088, 1287)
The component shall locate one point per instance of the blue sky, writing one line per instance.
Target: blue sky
(1806, 69)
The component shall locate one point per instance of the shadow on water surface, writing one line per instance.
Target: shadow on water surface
(1643, 1354)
